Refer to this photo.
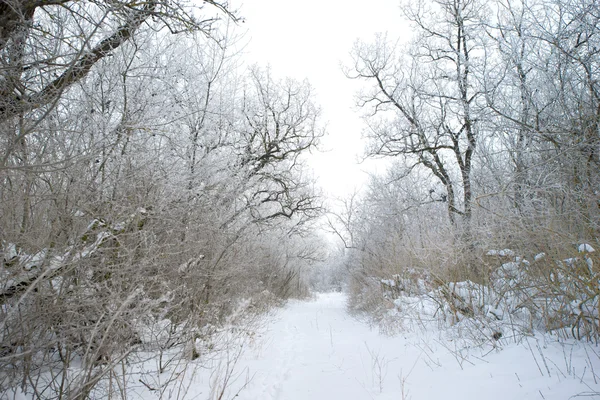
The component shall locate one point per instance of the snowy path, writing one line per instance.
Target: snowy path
(315, 350)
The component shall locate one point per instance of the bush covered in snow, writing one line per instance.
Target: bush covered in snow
(113, 303)
(518, 296)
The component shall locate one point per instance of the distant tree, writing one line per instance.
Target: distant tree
(281, 124)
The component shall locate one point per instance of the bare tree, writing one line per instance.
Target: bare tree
(499, 103)
(133, 193)
(541, 88)
(281, 123)
(429, 97)
(47, 46)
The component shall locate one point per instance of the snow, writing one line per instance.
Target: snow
(585, 248)
(501, 253)
(571, 261)
(36, 260)
(389, 282)
(506, 253)
(89, 250)
(10, 253)
(95, 224)
(315, 350)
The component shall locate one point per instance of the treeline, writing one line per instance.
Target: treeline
(491, 115)
(153, 190)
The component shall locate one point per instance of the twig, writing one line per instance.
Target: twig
(147, 386)
(591, 364)
(543, 358)
(533, 355)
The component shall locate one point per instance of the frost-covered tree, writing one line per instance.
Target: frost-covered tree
(142, 197)
(424, 103)
(498, 103)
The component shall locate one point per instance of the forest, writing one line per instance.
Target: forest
(490, 116)
(157, 199)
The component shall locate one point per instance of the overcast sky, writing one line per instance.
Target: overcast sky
(312, 39)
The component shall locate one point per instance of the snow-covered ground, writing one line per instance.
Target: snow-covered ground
(315, 350)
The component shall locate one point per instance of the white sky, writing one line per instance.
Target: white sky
(312, 39)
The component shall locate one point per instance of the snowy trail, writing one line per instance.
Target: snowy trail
(315, 350)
